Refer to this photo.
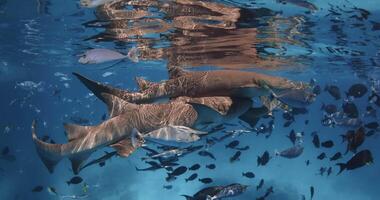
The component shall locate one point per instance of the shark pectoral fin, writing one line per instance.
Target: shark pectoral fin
(124, 147)
(188, 197)
(50, 154)
(175, 72)
(143, 84)
(74, 131)
(116, 105)
(78, 160)
(249, 118)
(205, 113)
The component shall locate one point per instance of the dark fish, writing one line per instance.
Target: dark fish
(192, 177)
(5, 151)
(195, 167)
(288, 116)
(370, 111)
(370, 133)
(348, 136)
(306, 122)
(249, 174)
(45, 138)
(307, 162)
(38, 188)
(178, 171)
(235, 157)
(52, 141)
(350, 110)
(316, 141)
(206, 154)
(287, 123)
(211, 166)
(291, 152)
(245, 148)
(317, 90)
(74, 180)
(260, 185)
(168, 187)
(311, 192)
(329, 108)
(233, 144)
(264, 159)
(356, 140)
(101, 161)
(329, 171)
(321, 156)
(357, 90)
(104, 116)
(205, 180)
(374, 98)
(358, 160)
(327, 144)
(336, 156)
(292, 136)
(322, 170)
(372, 125)
(333, 91)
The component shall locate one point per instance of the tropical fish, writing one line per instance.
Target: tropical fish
(74, 180)
(191, 177)
(205, 180)
(292, 152)
(96, 56)
(321, 156)
(248, 174)
(360, 159)
(211, 166)
(264, 159)
(334, 91)
(233, 144)
(260, 185)
(357, 90)
(235, 157)
(195, 167)
(327, 144)
(207, 154)
(336, 156)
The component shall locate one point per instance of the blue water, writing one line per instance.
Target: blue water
(338, 43)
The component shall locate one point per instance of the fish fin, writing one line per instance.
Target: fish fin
(116, 105)
(208, 114)
(137, 138)
(114, 64)
(175, 72)
(342, 167)
(74, 131)
(48, 153)
(98, 88)
(124, 147)
(250, 117)
(188, 197)
(143, 84)
(78, 160)
(276, 152)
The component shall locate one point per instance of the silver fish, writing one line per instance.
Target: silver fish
(96, 56)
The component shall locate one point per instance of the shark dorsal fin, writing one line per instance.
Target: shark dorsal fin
(74, 131)
(143, 84)
(116, 105)
(124, 147)
(175, 72)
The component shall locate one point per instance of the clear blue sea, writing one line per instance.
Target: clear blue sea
(332, 42)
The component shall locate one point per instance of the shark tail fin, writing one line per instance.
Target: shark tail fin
(143, 84)
(98, 88)
(188, 197)
(48, 153)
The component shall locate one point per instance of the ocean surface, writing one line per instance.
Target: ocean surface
(326, 42)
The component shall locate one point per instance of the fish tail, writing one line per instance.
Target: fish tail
(48, 153)
(342, 167)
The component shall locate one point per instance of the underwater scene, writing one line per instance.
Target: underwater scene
(190, 100)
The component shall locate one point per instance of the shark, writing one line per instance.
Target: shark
(214, 83)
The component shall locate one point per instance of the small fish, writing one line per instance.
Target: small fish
(235, 157)
(97, 56)
(350, 110)
(292, 136)
(249, 174)
(372, 125)
(195, 167)
(322, 170)
(38, 188)
(357, 90)
(74, 180)
(245, 148)
(52, 191)
(311, 192)
(329, 171)
(356, 140)
(206, 154)
(260, 185)
(205, 180)
(45, 138)
(307, 162)
(192, 177)
(316, 141)
(329, 108)
(287, 123)
(168, 187)
(336, 156)
(178, 171)
(264, 159)
(211, 166)
(334, 91)
(306, 122)
(292, 152)
(327, 144)
(321, 156)
(233, 144)
(360, 159)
